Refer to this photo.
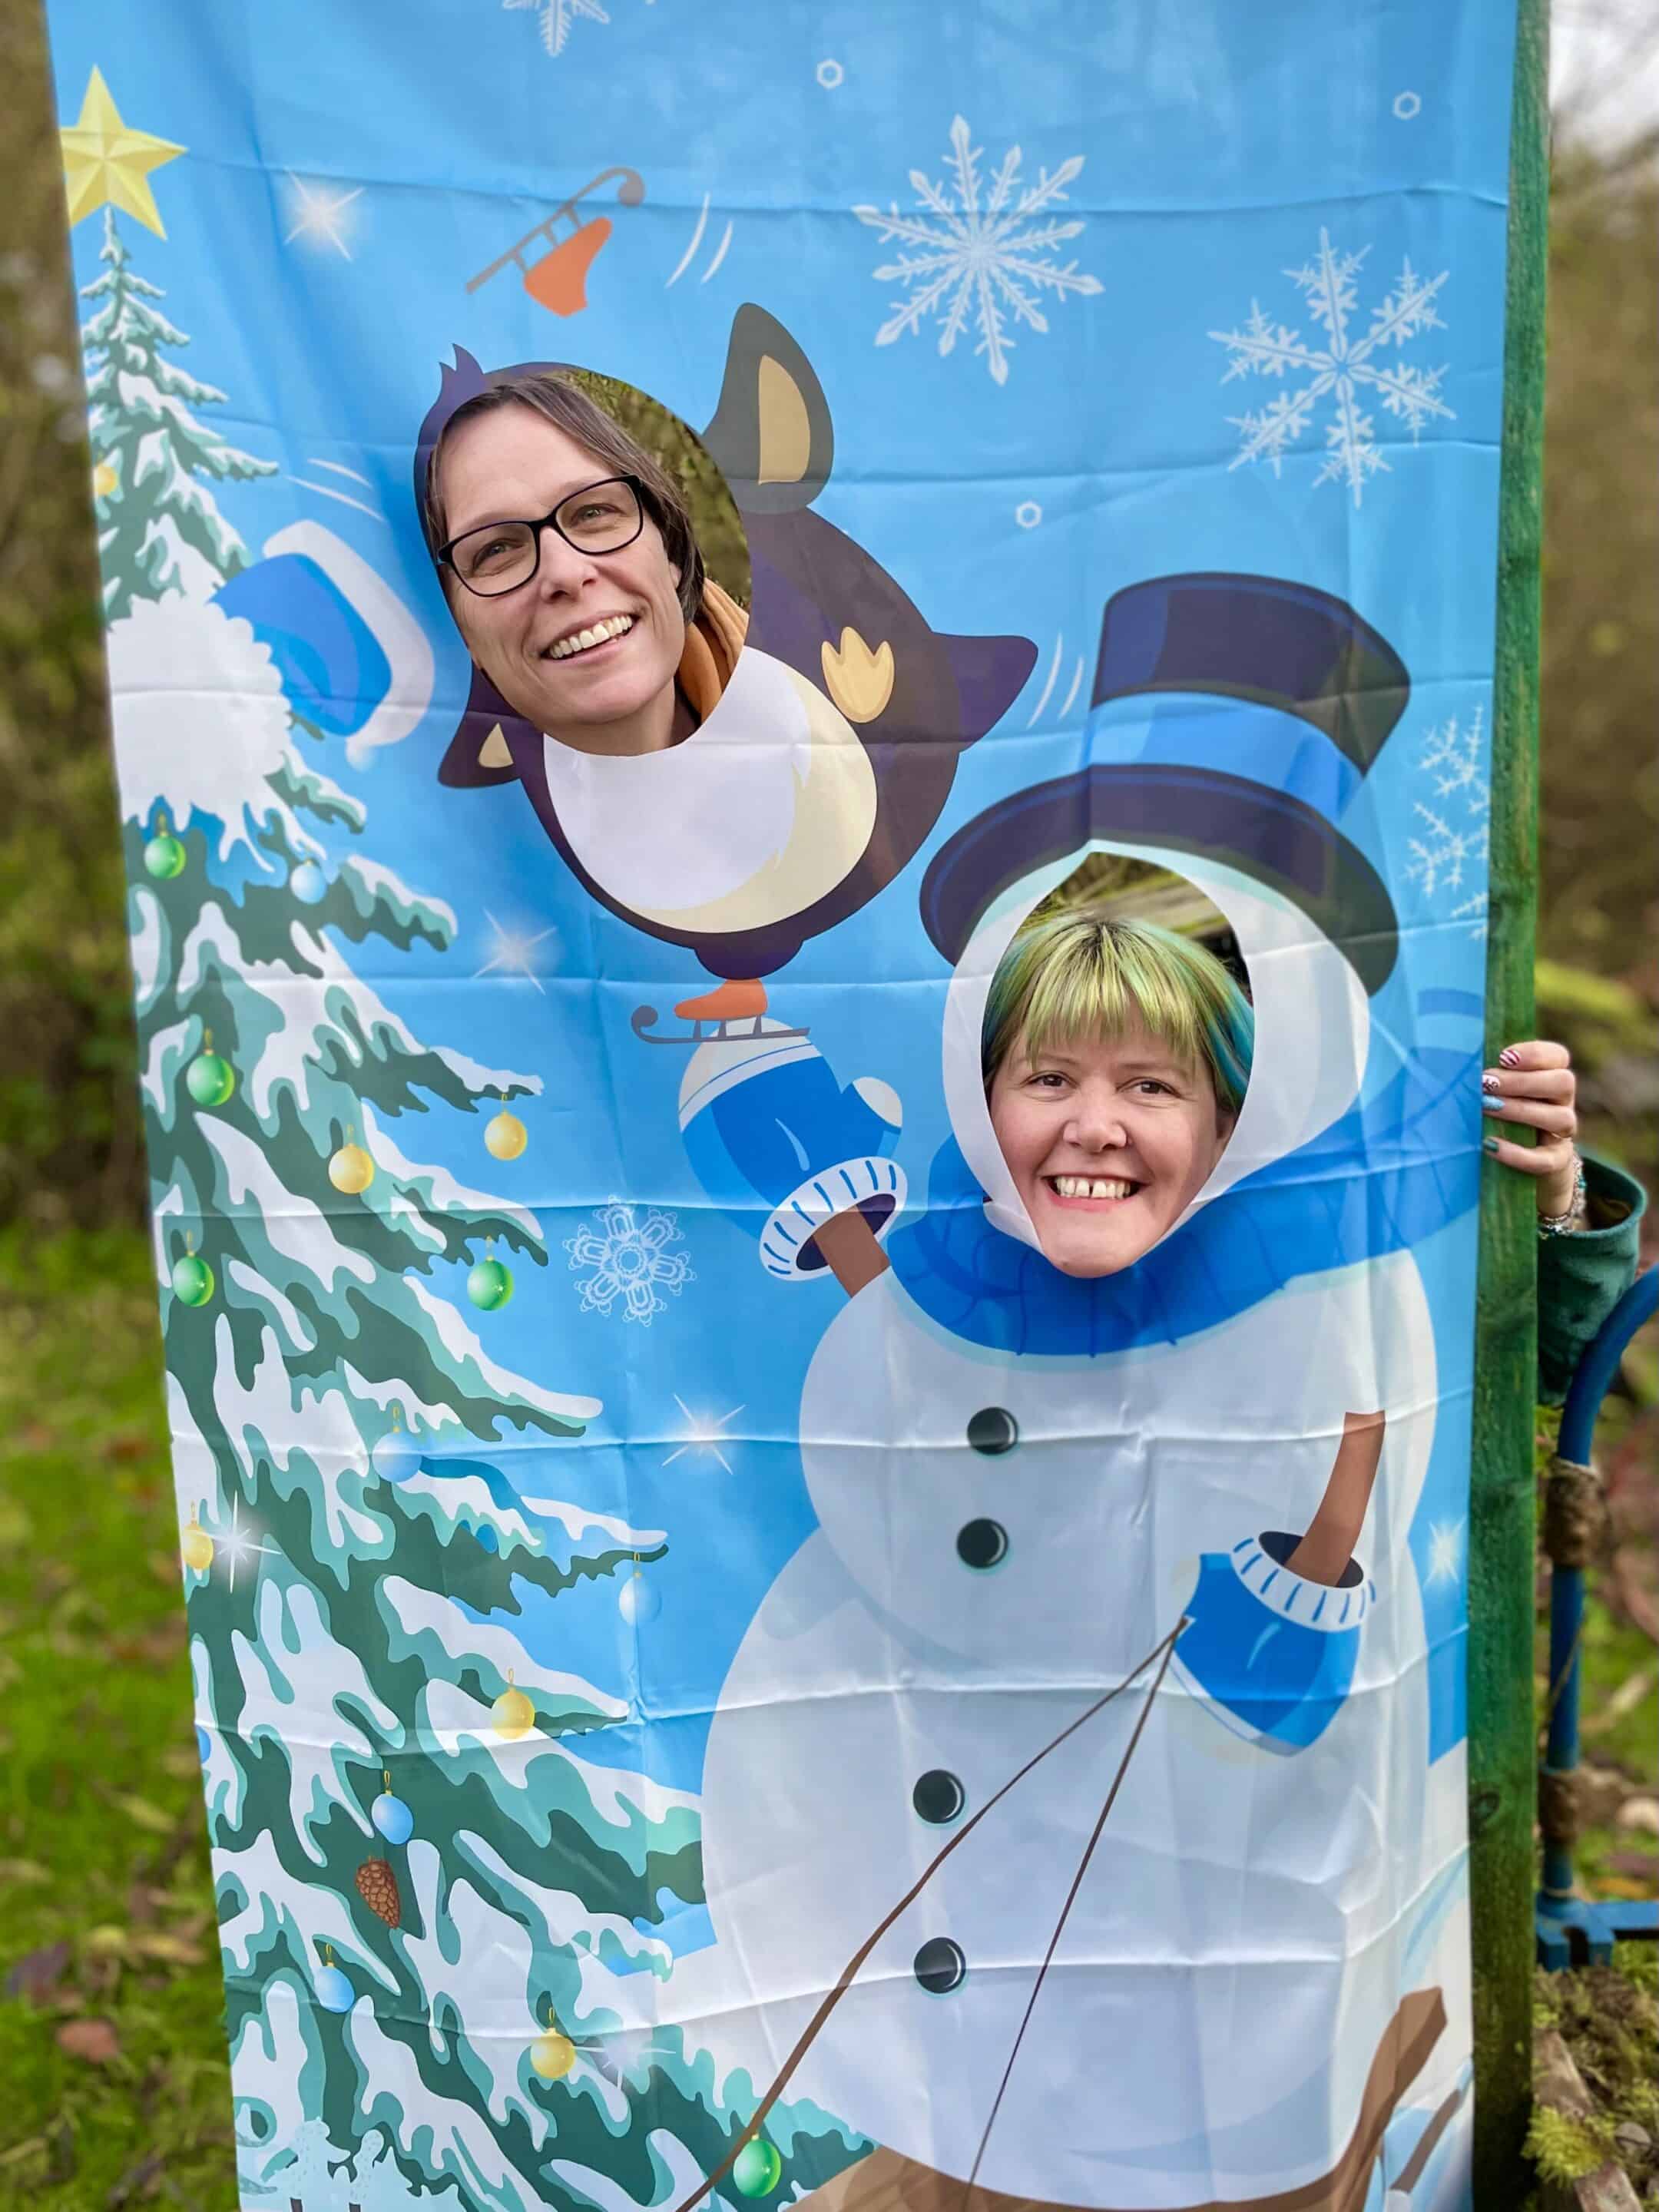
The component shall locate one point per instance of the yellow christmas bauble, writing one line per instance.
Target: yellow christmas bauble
(351, 1169)
(514, 1715)
(196, 1546)
(505, 1137)
(552, 2055)
(104, 481)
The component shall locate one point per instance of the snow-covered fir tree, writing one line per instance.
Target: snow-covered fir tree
(429, 1897)
(159, 529)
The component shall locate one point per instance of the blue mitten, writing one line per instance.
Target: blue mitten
(781, 1147)
(1271, 1654)
(354, 661)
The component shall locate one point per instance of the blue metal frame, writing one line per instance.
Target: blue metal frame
(1573, 1929)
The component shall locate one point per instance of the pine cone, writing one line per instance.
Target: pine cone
(378, 1885)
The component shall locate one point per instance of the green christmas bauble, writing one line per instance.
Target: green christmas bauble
(209, 1079)
(490, 1285)
(192, 1280)
(757, 2167)
(164, 857)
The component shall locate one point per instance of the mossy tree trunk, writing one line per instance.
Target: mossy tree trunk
(1501, 1506)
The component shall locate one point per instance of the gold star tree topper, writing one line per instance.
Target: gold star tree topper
(107, 163)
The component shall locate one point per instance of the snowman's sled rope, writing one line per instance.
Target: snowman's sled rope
(1071, 1898)
(1160, 1652)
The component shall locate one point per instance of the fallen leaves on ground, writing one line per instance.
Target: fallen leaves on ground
(37, 1974)
(94, 2040)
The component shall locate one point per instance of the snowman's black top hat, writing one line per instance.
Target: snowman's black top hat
(1256, 785)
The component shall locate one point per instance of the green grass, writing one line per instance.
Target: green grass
(107, 1909)
(1608, 2016)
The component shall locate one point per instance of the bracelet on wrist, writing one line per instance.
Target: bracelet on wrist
(1572, 1217)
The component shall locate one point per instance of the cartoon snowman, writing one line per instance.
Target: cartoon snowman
(1060, 1837)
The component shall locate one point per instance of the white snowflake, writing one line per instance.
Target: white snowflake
(976, 253)
(1456, 830)
(1345, 368)
(557, 17)
(629, 1260)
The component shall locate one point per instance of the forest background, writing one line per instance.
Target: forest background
(110, 2037)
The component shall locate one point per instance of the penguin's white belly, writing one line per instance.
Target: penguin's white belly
(761, 811)
(1237, 1947)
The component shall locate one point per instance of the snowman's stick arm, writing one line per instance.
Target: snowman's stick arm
(852, 1251)
(1070, 1898)
(1323, 1554)
(849, 1973)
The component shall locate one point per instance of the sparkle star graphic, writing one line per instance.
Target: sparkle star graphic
(107, 164)
(1446, 1552)
(512, 949)
(703, 1433)
(240, 1546)
(320, 215)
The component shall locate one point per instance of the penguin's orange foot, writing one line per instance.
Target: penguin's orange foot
(727, 1002)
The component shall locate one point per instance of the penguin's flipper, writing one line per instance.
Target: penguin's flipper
(480, 752)
(991, 672)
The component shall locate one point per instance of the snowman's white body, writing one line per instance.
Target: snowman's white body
(1251, 1916)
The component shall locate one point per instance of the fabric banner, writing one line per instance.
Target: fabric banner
(640, 543)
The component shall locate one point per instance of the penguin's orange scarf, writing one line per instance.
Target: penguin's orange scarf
(713, 643)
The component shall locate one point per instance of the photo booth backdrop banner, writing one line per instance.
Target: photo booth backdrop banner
(671, 1730)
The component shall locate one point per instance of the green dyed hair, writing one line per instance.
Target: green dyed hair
(1080, 974)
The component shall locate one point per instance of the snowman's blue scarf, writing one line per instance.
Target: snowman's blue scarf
(1387, 1175)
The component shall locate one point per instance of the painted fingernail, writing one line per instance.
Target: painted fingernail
(1508, 1057)
(1491, 1105)
(1490, 1082)
(1489, 1144)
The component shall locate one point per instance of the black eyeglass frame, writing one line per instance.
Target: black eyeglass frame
(444, 555)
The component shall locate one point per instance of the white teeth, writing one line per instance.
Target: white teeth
(612, 626)
(1091, 1187)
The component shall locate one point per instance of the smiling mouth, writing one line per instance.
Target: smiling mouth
(1091, 1189)
(588, 640)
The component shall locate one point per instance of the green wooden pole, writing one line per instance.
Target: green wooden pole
(1502, 1759)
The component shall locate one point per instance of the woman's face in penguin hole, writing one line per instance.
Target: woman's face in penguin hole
(1108, 1139)
(615, 695)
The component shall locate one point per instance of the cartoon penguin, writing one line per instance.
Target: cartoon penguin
(817, 773)
(1058, 1838)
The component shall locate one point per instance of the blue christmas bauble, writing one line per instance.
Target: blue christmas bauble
(334, 1992)
(203, 1745)
(393, 1818)
(397, 1457)
(637, 1601)
(308, 884)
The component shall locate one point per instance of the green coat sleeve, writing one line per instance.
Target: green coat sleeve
(1581, 1278)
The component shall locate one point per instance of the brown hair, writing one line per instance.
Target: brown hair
(570, 410)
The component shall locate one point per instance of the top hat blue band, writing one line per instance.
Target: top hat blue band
(1263, 744)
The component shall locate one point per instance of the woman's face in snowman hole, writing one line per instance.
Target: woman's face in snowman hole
(1108, 1138)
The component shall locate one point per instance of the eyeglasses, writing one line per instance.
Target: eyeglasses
(600, 518)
